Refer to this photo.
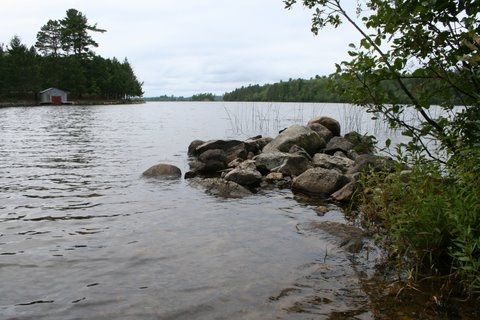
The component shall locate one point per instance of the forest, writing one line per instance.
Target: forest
(334, 88)
(63, 58)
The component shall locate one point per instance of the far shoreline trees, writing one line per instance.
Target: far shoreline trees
(63, 57)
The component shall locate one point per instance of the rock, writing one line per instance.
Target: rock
(223, 188)
(345, 236)
(320, 181)
(246, 174)
(329, 123)
(235, 163)
(286, 163)
(192, 148)
(322, 131)
(373, 162)
(302, 136)
(300, 151)
(293, 165)
(163, 171)
(255, 145)
(265, 162)
(237, 152)
(274, 176)
(224, 145)
(326, 161)
(321, 210)
(338, 144)
(213, 160)
(345, 194)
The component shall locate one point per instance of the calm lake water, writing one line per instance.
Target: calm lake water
(83, 236)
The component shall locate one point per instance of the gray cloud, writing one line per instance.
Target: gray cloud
(192, 46)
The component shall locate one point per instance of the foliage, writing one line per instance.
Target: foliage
(434, 43)
(74, 33)
(294, 90)
(412, 53)
(24, 71)
(431, 221)
(203, 97)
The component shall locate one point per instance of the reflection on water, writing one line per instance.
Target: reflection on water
(83, 236)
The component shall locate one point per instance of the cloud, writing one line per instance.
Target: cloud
(192, 46)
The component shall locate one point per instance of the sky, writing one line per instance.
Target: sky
(185, 47)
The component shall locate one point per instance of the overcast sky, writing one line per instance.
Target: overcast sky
(183, 47)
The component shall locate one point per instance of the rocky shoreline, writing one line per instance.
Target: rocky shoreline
(313, 159)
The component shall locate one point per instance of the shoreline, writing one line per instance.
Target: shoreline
(29, 103)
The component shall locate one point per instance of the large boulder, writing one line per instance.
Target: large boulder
(322, 131)
(210, 162)
(299, 135)
(246, 174)
(163, 171)
(224, 145)
(338, 144)
(289, 164)
(326, 161)
(320, 181)
(330, 123)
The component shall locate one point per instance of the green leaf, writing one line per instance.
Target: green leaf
(388, 142)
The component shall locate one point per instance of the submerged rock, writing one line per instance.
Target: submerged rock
(345, 236)
(163, 171)
(222, 188)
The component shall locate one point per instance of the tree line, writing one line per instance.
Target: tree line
(334, 88)
(62, 57)
(294, 90)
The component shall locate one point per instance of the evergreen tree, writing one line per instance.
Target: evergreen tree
(49, 39)
(74, 33)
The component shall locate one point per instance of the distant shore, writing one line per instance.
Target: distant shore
(32, 103)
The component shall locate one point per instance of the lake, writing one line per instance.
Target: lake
(83, 236)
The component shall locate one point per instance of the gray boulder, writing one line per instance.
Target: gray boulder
(326, 161)
(163, 171)
(322, 131)
(338, 144)
(289, 164)
(345, 194)
(246, 174)
(217, 144)
(320, 181)
(299, 135)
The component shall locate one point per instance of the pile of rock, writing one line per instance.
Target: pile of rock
(310, 158)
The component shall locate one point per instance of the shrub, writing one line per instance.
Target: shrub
(430, 217)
